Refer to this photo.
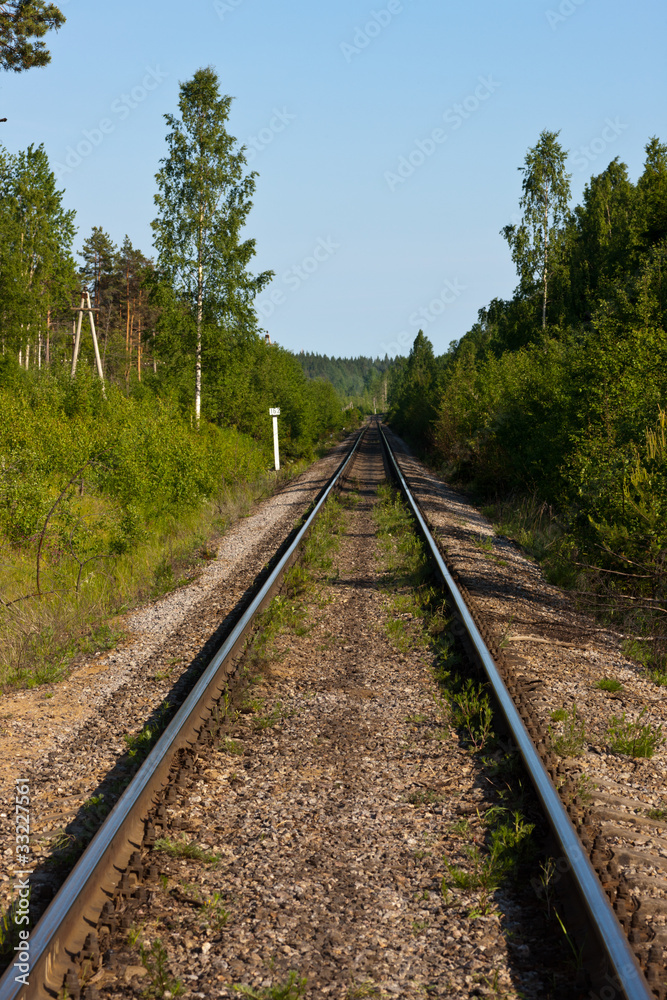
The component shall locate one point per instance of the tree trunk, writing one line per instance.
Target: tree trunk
(546, 257)
(200, 311)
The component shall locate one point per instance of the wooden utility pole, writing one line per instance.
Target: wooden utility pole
(86, 307)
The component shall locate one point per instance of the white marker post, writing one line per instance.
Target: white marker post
(274, 412)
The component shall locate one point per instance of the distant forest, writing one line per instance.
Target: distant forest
(361, 380)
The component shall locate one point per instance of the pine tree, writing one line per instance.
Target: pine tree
(21, 20)
(203, 203)
(652, 188)
(36, 265)
(99, 259)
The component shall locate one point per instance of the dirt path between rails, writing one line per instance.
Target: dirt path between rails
(332, 826)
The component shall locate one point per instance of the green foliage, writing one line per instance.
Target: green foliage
(141, 461)
(203, 203)
(156, 962)
(36, 266)
(413, 389)
(608, 684)
(293, 988)
(537, 243)
(361, 380)
(21, 21)
(570, 739)
(569, 413)
(637, 739)
(184, 849)
(471, 711)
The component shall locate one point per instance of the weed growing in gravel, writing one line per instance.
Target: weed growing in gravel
(571, 740)
(357, 991)
(483, 542)
(637, 739)
(659, 814)
(134, 933)
(156, 962)
(292, 989)
(214, 911)
(577, 953)
(184, 849)
(425, 797)
(394, 523)
(472, 712)
(93, 802)
(658, 676)
(608, 684)
(272, 718)
(231, 746)
(584, 786)
(549, 876)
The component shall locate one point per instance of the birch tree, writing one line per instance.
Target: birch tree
(203, 202)
(544, 204)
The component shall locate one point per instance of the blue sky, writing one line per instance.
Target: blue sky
(386, 136)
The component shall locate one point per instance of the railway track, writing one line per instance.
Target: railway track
(117, 876)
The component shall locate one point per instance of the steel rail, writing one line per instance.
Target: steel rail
(95, 876)
(629, 975)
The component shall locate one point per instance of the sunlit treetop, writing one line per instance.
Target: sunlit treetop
(21, 21)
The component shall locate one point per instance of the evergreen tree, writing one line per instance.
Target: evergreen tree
(606, 237)
(36, 265)
(546, 192)
(203, 203)
(20, 21)
(99, 259)
(652, 188)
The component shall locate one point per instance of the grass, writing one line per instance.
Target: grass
(636, 739)
(509, 834)
(571, 739)
(358, 991)
(425, 797)
(213, 911)
(41, 639)
(608, 684)
(483, 542)
(183, 848)
(533, 524)
(292, 989)
(653, 660)
(659, 814)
